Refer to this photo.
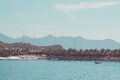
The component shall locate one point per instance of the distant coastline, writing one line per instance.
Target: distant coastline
(65, 41)
(28, 51)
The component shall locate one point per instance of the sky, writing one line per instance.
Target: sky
(91, 19)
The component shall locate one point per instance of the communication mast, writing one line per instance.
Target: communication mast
(74, 43)
(23, 36)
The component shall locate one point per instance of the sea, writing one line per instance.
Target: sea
(58, 70)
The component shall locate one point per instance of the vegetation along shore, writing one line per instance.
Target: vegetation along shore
(28, 51)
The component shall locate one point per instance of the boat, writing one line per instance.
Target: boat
(97, 62)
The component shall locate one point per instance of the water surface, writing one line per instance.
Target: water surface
(58, 70)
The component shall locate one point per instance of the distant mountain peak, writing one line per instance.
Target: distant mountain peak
(66, 41)
(110, 40)
(2, 34)
(5, 38)
(50, 36)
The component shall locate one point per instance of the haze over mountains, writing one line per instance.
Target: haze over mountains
(66, 42)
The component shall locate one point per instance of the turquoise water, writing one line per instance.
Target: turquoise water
(58, 70)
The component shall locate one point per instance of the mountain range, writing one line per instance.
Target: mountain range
(66, 42)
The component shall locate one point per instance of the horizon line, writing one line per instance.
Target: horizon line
(57, 37)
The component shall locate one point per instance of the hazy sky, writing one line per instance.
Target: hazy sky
(92, 19)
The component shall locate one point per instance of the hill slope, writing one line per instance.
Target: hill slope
(66, 42)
